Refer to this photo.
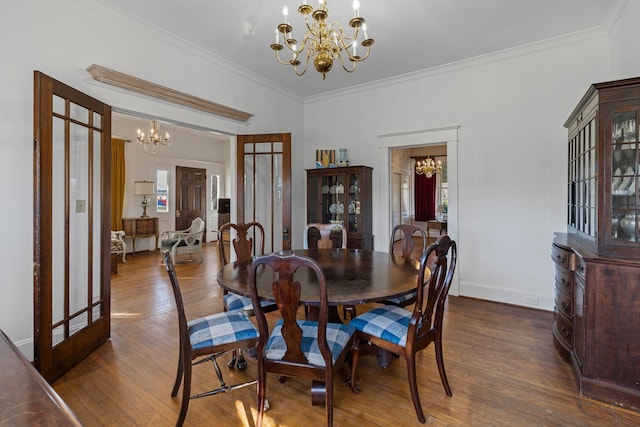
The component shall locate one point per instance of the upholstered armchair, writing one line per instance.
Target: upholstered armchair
(118, 246)
(188, 241)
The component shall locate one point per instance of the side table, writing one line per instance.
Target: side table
(140, 227)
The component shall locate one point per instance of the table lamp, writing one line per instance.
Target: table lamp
(144, 189)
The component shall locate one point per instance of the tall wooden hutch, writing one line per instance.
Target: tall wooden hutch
(597, 279)
(342, 195)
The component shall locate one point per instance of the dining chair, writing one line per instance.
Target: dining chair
(406, 234)
(203, 339)
(297, 348)
(248, 241)
(325, 242)
(405, 332)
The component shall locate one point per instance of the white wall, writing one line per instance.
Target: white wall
(511, 161)
(61, 39)
(623, 43)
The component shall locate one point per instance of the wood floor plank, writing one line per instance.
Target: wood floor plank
(500, 360)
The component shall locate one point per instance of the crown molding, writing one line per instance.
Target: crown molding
(105, 9)
(613, 16)
(125, 81)
(489, 58)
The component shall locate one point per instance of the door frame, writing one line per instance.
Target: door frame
(444, 135)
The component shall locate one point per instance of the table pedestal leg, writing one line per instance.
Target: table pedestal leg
(314, 313)
(318, 393)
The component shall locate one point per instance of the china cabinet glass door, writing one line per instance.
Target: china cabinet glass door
(624, 175)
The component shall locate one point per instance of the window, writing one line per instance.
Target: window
(162, 191)
(214, 191)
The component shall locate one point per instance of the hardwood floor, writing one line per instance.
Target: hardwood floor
(500, 360)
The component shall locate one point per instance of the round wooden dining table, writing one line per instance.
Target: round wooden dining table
(353, 276)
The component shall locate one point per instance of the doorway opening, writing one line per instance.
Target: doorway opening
(428, 138)
(407, 202)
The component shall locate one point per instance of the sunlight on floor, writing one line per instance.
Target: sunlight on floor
(242, 415)
(125, 315)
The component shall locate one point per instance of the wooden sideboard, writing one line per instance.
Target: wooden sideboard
(597, 318)
(140, 227)
(27, 399)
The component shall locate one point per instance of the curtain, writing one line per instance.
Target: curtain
(117, 182)
(425, 197)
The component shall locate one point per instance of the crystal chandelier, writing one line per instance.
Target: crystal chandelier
(428, 167)
(323, 43)
(153, 140)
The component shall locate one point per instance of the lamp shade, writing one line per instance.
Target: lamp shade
(144, 188)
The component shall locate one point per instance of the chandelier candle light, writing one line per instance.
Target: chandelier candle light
(324, 43)
(154, 140)
(428, 167)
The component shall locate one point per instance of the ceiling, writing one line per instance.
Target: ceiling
(410, 35)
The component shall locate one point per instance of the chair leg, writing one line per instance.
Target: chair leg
(262, 390)
(351, 309)
(179, 374)
(355, 357)
(234, 359)
(186, 391)
(242, 363)
(440, 362)
(413, 386)
(329, 400)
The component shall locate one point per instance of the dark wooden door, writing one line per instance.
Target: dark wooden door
(264, 186)
(191, 196)
(72, 219)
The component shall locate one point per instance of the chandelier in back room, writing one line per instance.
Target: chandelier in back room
(323, 43)
(428, 167)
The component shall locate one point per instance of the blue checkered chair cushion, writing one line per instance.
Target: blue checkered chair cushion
(220, 328)
(388, 322)
(338, 336)
(402, 299)
(238, 302)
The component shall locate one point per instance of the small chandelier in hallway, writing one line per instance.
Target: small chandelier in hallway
(153, 139)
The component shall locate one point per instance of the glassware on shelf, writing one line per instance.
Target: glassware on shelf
(343, 161)
(628, 225)
(615, 223)
(629, 130)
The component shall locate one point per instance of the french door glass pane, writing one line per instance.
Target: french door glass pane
(78, 219)
(249, 188)
(95, 207)
(277, 201)
(263, 197)
(58, 254)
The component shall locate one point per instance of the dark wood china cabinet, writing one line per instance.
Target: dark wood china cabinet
(342, 195)
(597, 279)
